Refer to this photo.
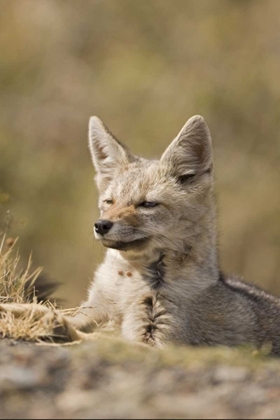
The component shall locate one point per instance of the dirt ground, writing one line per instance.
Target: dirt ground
(112, 379)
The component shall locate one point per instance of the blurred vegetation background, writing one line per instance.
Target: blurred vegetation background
(144, 67)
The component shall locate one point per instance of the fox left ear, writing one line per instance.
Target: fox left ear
(190, 153)
(107, 153)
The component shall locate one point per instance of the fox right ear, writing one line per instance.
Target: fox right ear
(107, 153)
(190, 153)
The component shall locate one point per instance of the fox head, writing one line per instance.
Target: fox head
(151, 205)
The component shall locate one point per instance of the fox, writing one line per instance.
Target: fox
(160, 281)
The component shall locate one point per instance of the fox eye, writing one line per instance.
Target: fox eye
(148, 204)
(183, 179)
(108, 201)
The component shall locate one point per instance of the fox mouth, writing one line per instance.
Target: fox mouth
(125, 246)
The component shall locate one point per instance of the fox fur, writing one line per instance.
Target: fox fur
(160, 280)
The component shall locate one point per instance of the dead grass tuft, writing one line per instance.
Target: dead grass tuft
(25, 326)
(17, 289)
(16, 285)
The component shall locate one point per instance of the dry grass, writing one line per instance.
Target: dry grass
(16, 285)
(21, 316)
(25, 326)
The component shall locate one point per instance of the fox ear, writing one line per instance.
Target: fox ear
(190, 153)
(107, 153)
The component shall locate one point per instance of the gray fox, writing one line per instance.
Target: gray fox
(160, 281)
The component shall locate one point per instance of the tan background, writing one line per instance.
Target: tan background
(144, 67)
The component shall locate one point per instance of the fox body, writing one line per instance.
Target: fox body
(160, 280)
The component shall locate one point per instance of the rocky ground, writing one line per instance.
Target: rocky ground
(112, 379)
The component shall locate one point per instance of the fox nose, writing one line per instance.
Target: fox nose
(103, 226)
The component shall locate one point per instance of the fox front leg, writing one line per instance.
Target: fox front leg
(146, 321)
(88, 317)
